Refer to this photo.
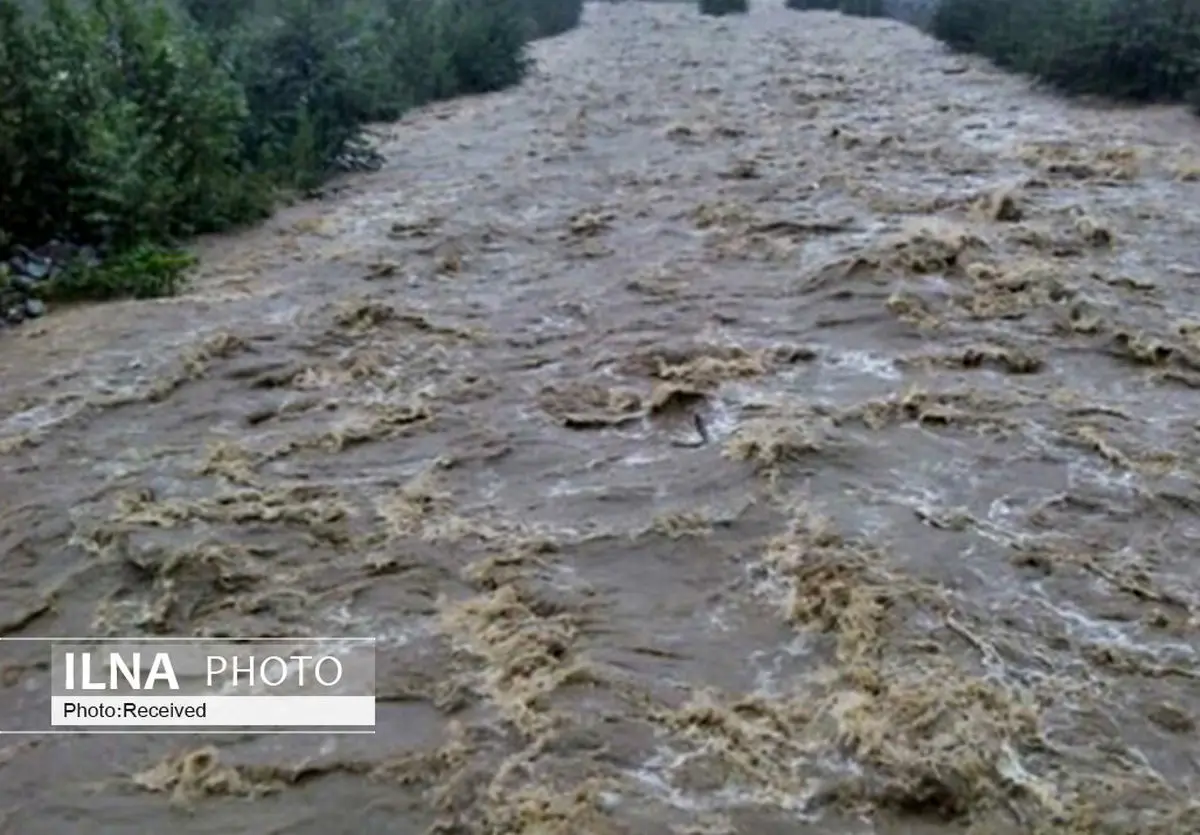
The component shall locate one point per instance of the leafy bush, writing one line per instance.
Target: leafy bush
(917, 13)
(311, 77)
(1143, 50)
(484, 43)
(132, 124)
(145, 271)
(813, 5)
(115, 126)
(717, 8)
(857, 8)
(861, 8)
(553, 17)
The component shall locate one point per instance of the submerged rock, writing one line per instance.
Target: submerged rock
(24, 276)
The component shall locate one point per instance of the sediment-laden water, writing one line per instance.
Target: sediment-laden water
(768, 424)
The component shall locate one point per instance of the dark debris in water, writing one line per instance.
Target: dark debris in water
(27, 273)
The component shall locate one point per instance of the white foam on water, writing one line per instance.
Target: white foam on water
(768, 666)
(284, 316)
(1082, 472)
(865, 363)
(388, 633)
(769, 585)
(655, 775)
(723, 421)
(44, 415)
(566, 487)
(716, 618)
(642, 458)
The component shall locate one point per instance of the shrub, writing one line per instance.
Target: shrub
(314, 71)
(813, 5)
(861, 8)
(553, 17)
(717, 8)
(310, 81)
(484, 43)
(190, 117)
(1143, 50)
(145, 271)
(857, 8)
(216, 15)
(151, 146)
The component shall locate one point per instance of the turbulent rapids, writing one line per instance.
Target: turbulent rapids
(767, 424)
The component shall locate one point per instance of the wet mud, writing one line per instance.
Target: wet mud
(753, 425)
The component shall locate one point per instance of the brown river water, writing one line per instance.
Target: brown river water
(766, 425)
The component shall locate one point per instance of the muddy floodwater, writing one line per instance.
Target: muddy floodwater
(763, 425)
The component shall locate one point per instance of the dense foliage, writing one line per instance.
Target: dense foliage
(862, 8)
(1142, 50)
(131, 124)
(858, 8)
(717, 8)
(1139, 50)
(553, 17)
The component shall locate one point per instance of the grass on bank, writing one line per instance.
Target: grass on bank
(1137, 50)
(194, 116)
(1132, 50)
